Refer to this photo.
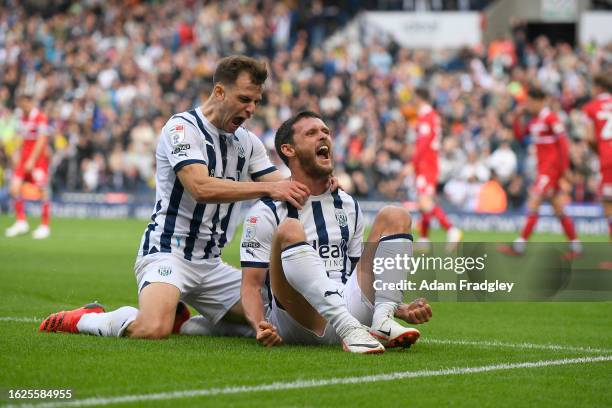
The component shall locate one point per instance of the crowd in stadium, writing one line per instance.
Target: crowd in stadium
(109, 76)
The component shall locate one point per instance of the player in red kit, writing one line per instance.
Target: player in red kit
(31, 165)
(599, 134)
(425, 163)
(552, 150)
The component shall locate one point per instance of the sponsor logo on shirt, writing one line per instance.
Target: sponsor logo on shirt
(179, 150)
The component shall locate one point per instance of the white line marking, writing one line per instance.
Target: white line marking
(475, 343)
(554, 347)
(20, 319)
(279, 386)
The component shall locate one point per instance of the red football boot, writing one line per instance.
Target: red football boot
(66, 321)
(181, 316)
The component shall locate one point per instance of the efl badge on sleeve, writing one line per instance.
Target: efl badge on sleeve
(177, 134)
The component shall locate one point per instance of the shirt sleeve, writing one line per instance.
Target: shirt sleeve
(256, 241)
(259, 163)
(182, 145)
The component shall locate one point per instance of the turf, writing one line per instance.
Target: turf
(93, 259)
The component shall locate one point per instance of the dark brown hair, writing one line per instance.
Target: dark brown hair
(230, 67)
(536, 93)
(603, 81)
(423, 93)
(284, 134)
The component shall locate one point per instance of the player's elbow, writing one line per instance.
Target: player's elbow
(251, 286)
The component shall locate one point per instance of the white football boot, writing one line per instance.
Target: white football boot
(41, 232)
(392, 334)
(18, 228)
(356, 339)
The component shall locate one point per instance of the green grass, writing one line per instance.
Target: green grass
(93, 259)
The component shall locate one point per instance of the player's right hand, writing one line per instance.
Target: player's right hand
(416, 312)
(267, 334)
(294, 192)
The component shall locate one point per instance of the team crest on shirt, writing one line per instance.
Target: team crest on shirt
(240, 150)
(164, 270)
(177, 134)
(341, 217)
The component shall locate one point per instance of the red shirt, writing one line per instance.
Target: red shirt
(428, 134)
(599, 111)
(552, 148)
(31, 128)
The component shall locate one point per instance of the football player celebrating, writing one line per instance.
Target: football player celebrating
(32, 165)
(552, 149)
(425, 164)
(323, 288)
(205, 159)
(599, 134)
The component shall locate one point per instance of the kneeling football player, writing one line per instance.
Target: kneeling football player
(322, 285)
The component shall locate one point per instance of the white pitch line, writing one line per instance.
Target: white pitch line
(554, 347)
(475, 343)
(299, 384)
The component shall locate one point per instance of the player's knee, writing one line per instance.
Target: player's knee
(152, 330)
(290, 231)
(394, 219)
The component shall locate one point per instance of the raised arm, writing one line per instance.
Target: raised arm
(206, 189)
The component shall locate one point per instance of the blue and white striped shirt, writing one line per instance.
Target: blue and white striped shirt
(179, 224)
(333, 224)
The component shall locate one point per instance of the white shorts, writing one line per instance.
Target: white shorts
(211, 287)
(292, 332)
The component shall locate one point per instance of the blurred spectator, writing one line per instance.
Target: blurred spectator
(109, 74)
(503, 162)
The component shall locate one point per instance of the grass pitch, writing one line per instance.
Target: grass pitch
(484, 343)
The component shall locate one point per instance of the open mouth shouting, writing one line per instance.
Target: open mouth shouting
(237, 121)
(323, 152)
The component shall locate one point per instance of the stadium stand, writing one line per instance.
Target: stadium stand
(109, 73)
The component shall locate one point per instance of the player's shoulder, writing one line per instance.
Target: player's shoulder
(552, 118)
(182, 118)
(344, 195)
(267, 208)
(348, 199)
(246, 137)
(39, 116)
(590, 106)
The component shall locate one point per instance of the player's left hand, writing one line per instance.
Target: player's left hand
(417, 312)
(267, 335)
(332, 183)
